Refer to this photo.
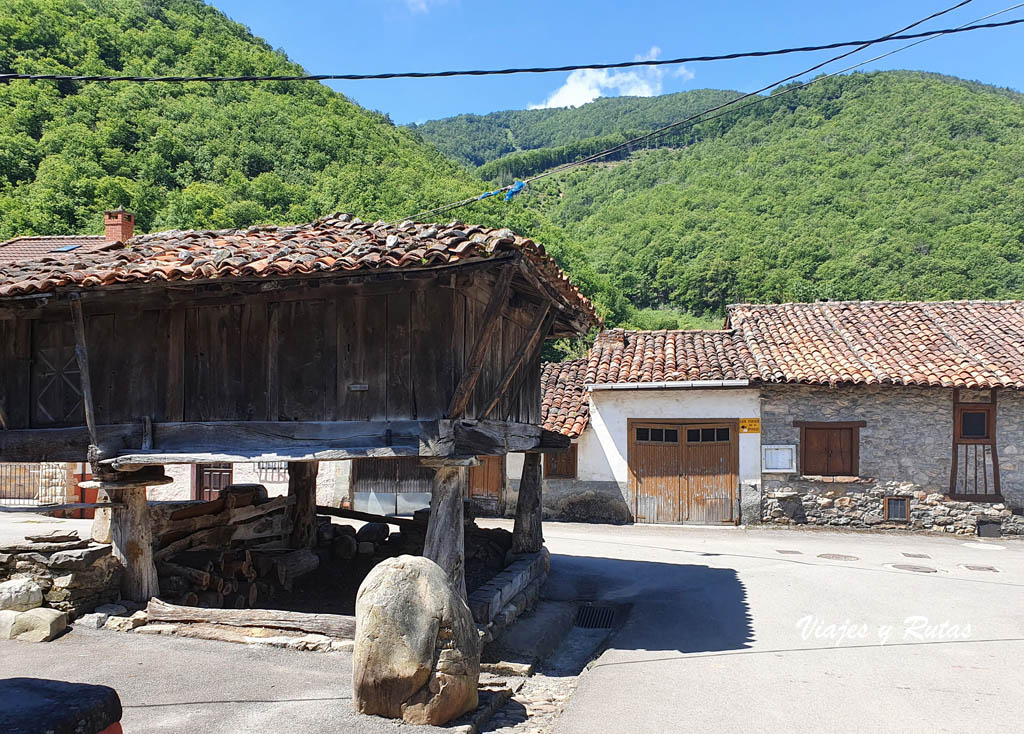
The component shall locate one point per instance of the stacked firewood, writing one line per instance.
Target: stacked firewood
(231, 552)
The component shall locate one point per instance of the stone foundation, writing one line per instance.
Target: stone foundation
(859, 505)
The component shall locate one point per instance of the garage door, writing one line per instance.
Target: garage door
(684, 472)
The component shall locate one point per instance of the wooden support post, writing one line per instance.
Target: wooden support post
(527, 532)
(302, 486)
(445, 543)
(132, 543)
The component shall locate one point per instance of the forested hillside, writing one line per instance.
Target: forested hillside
(894, 185)
(186, 155)
(477, 139)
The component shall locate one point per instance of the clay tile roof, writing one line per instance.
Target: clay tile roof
(966, 344)
(337, 243)
(31, 248)
(565, 405)
(668, 356)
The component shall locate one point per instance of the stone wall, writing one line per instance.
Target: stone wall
(905, 450)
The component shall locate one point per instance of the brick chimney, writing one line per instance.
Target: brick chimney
(120, 225)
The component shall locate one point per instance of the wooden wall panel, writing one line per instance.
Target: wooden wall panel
(307, 349)
(256, 345)
(401, 401)
(133, 370)
(362, 352)
(15, 370)
(213, 368)
(435, 333)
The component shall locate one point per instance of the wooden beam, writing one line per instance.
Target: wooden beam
(302, 486)
(475, 362)
(445, 542)
(538, 330)
(527, 532)
(43, 509)
(66, 444)
(401, 522)
(82, 356)
(332, 625)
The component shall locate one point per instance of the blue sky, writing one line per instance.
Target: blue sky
(370, 36)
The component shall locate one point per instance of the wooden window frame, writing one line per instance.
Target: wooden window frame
(958, 409)
(855, 427)
(573, 457)
(885, 506)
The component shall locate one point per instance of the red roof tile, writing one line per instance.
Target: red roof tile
(31, 248)
(667, 356)
(565, 405)
(337, 243)
(967, 344)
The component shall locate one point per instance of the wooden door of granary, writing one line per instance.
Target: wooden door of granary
(684, 471)
(210, 479)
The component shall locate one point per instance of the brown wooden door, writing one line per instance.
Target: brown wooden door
(684, 472)
(211, 479)
(56, 384)
(710, 468)
(486, 480)
(656, 463)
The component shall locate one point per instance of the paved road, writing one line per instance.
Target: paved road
(729, 634)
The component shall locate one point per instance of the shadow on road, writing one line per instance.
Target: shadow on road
(686, 608)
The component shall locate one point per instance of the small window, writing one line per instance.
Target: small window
(897, 508)
(272, 471)
(974, 424)
(671, 435)
(693, 435)
(561, 466)
(830, 449)
(721, 434)
(657, 434)
(707, 435)
(643, 434)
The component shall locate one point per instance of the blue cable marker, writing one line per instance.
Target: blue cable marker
(488, 193)
(516, 188)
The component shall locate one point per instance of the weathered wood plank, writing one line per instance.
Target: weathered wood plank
(485, 333)
(401, 522)
(43, 509)
(527, 532)
(66, 444)
(174, 371)
(538, 330)
(445, 540)
(362, 381)
(254, 343)
(304, 369)
(332, 625)
(401, 400)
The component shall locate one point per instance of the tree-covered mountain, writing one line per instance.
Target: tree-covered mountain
(478, 139)
(187, 154)
(900, 185)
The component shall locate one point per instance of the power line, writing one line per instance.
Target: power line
(700, 116)
(496, 72)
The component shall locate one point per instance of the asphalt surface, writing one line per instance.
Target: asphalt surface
(723, 633)
(728, 634)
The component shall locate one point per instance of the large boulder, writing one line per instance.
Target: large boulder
(417, 650)
(373, 532)
(20, 595)
(593, 507)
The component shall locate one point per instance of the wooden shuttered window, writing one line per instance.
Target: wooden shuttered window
(830, 449)
(561, 466)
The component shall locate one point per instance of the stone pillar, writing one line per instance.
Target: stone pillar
(445, 543)
(527, 532)
(302, 486)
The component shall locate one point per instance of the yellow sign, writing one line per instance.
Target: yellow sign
(750, 425)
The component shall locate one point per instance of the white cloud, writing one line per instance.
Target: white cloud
(422, 6)
(586, 85)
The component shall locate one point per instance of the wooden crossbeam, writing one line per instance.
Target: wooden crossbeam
(542, 323)
(485, 332)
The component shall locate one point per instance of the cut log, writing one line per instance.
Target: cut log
(199, 580)
(294, 565)
(445, 541)
(173, 586)
(209, 600)
(188, 599)
(250, 591)
(166, 525)
(216, 583)
(132, 544)
(235, 601)
(209, 561)
(228, 587)
(302, 486)
(332, 625)
(264, 561)
(527, 532)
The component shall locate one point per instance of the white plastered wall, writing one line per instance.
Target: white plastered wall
(331, 482)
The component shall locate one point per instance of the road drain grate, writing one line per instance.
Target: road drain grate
(838, 557)
(595, 617)
(990, 569)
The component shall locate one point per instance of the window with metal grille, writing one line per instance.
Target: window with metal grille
(561, 466)
(272, 471)
(897, 508)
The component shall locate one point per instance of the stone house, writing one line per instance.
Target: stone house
(858, 414)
